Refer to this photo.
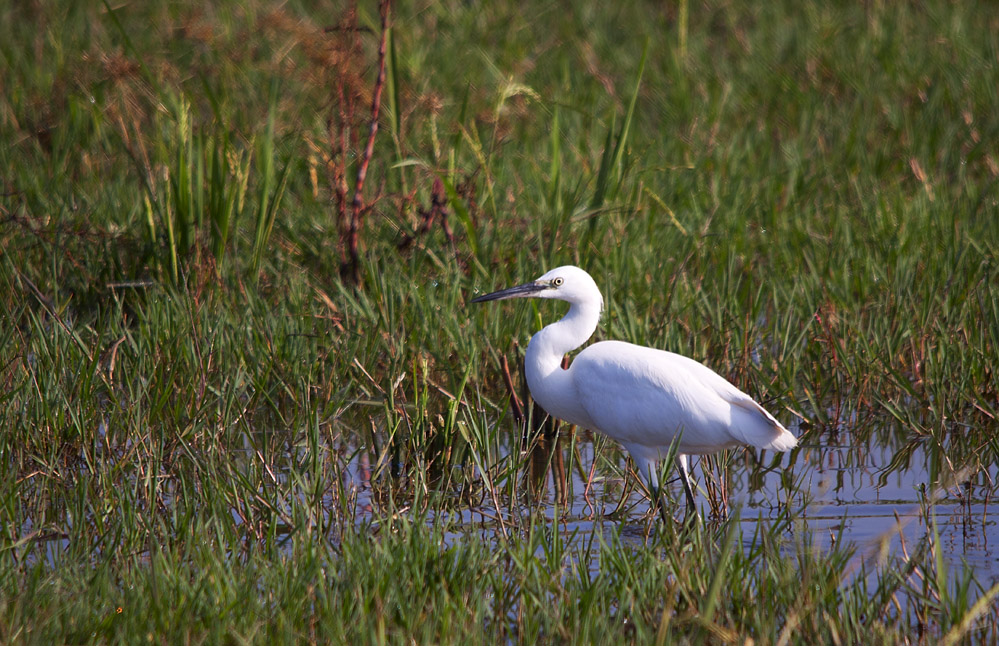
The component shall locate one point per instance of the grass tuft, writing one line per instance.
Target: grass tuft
(211, 436)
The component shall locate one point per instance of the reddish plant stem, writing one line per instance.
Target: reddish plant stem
(358, 208)
(518, 409)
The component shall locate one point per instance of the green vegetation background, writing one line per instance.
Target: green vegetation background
(802, 194)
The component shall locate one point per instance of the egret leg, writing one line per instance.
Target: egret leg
(681, 458)
(660, 502)
(647, 469)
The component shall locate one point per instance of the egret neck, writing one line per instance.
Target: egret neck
(551, 386)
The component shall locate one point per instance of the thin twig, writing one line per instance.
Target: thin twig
(358, 208)
(518, 409)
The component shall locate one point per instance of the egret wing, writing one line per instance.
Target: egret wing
(756, 425)
(642, 396)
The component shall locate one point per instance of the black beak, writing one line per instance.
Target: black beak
(520, 291)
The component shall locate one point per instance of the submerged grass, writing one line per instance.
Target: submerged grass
(210, 437)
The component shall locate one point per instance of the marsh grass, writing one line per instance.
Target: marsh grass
(209, 437)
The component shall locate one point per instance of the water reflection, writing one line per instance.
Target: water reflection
(876, 497)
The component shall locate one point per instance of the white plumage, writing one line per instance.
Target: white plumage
(638, 396)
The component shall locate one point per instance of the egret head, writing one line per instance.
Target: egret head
(567, 283)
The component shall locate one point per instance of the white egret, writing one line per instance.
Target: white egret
(641, 397)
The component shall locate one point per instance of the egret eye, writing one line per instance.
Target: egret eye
(557, 282)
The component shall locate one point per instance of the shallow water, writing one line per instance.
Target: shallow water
(864, 497)
(846, 493)
(880, 499)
